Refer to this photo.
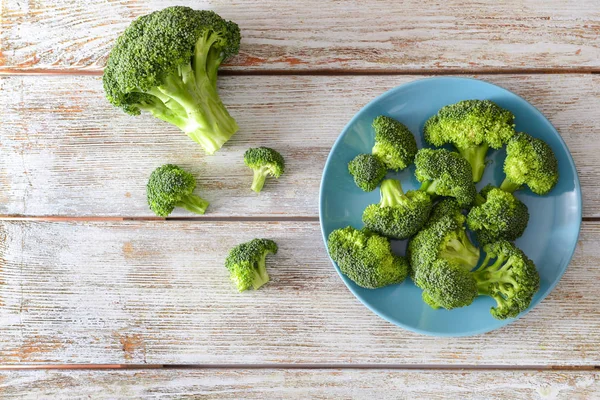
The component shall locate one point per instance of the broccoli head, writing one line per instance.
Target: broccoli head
(512, 279)
(368, 171)
(446, 284)
(170, 186)
(529, 161)
(395, 145)
(366, 258)
(472, 126)
(166, 63)
(264, 162)
(246, 263)
(398, 215)
(445, 173)
(500, 216)
(443, 237)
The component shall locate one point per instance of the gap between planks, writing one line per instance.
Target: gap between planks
(398, 367)
(180, 219)
(335, 72)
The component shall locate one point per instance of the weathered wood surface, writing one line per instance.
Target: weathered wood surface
(65, 151)
(289, 35)
(301, 384)
(158, 293)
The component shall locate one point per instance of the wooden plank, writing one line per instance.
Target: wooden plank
(300, 384)
(77, 35)
(66, 151)
(158, 293)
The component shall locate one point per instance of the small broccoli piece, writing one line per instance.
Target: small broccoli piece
(447, 285)
(445, 173)
(472, 126)
(443, 237)
(366, 258)
(368, 171)
(397, 215)
(170, 186)
(529, 161)
(512, 280)
(395, 145)
(500, 216)
(246, 263)
(166, 63)
(265, 162)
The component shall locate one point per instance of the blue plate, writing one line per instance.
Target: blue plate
(549, 240)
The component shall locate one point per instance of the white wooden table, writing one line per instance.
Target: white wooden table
(99, 298)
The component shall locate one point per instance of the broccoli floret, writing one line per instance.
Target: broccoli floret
(368, 171)
(445, 173)
(170, 186)
(265, 162)
(472, 126)
(443, 237)
(397, 215)
(166, 63)
(366, 258)
(512, 280)
(529, 161)
(395, 145)
(447, 285)
(500, 216)
(246, 263)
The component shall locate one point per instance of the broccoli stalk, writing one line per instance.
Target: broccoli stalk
(459, 249)
(475, 155)
(189, 100)
(193, 203)
(392, 194)
(166, 63)
(509, 186)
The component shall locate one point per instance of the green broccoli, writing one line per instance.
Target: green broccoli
(499, 216)
(472, 126)
(366, 258)
(246, 263)
(265, 162)
(445, 173)
(395, 145)
(529, 161)
(443, 237)
(397, 215)
(166, 63)
(446, 284)
(170, 186)
(512, 280)
(368, 171)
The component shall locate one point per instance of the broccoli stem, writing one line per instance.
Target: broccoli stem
(461, 250)
(260, 275)
(475, 155)
(493, 274)
(193, 203)
(509, 186)
(260, 174)
(194, 106)
(392, 193)
(429, 187)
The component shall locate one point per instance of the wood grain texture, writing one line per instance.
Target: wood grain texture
(66, 151)
(158, 293)
(301, 384)
(324, 35)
